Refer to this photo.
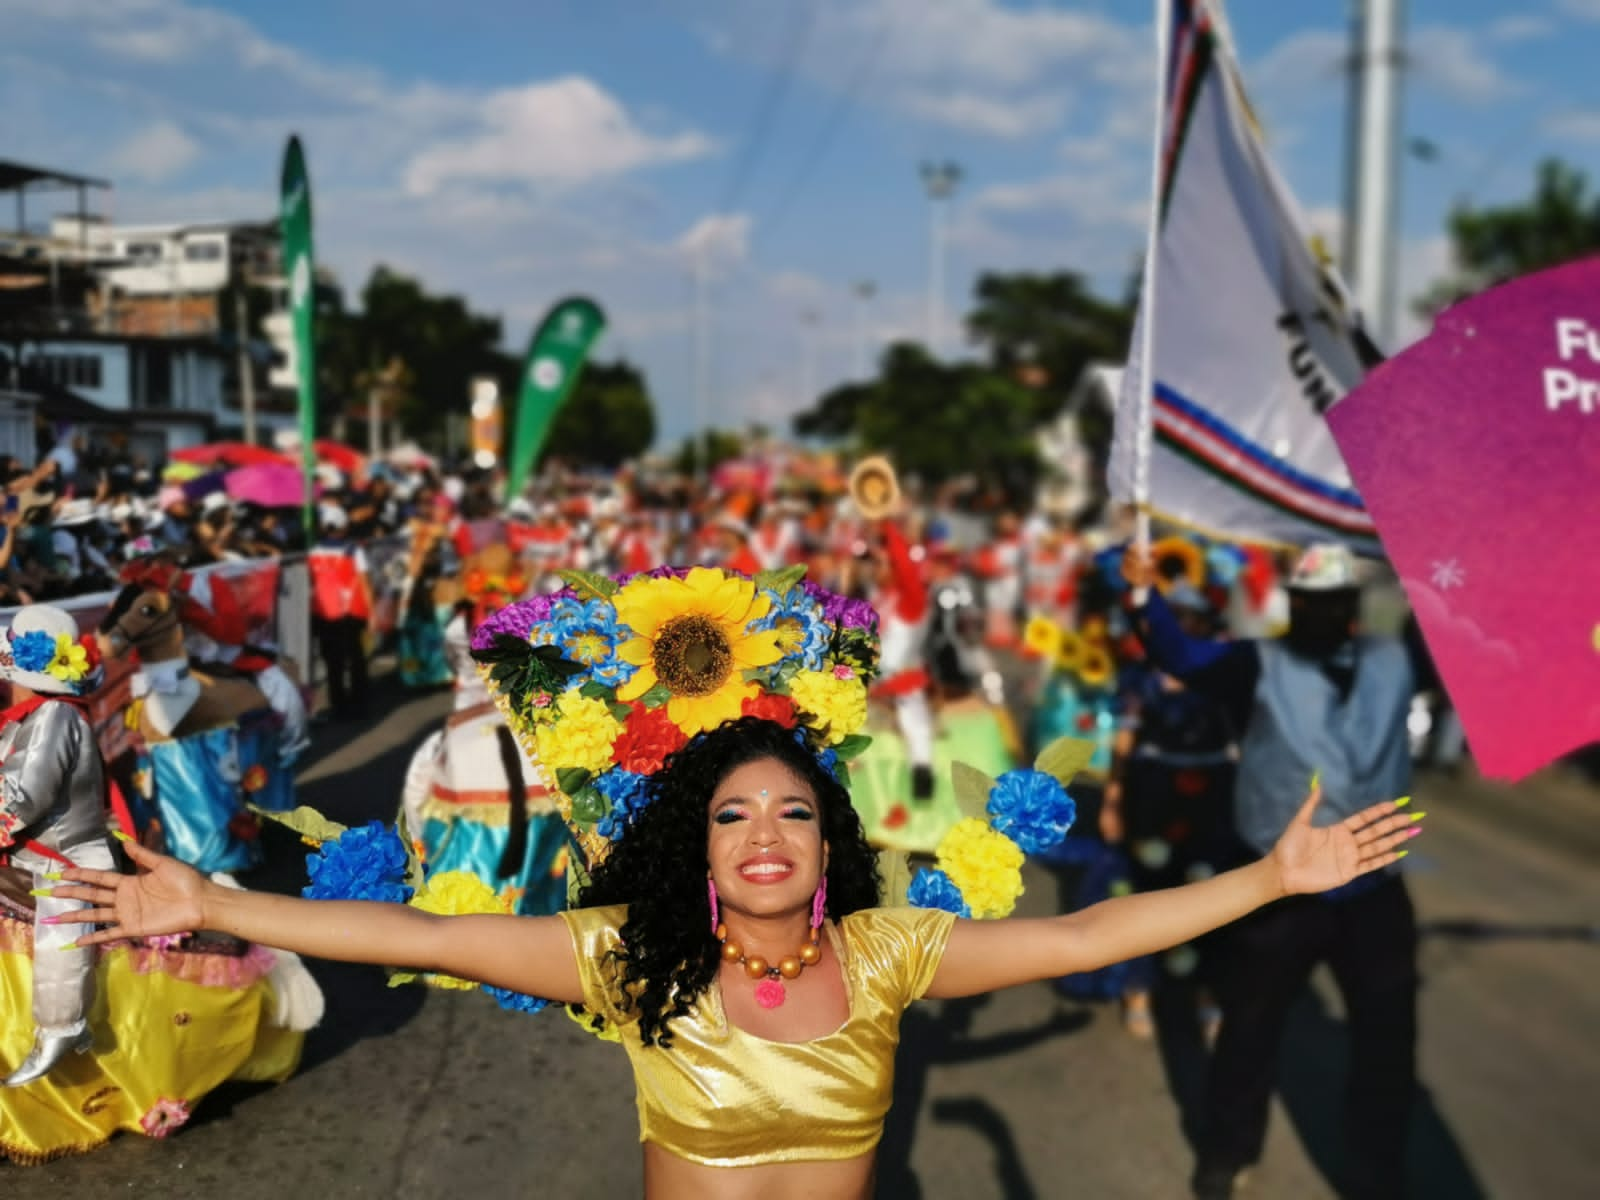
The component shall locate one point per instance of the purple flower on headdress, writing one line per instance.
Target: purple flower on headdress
(518, 620)
(661, 572)
(842, 610)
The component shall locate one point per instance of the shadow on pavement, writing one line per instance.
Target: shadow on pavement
(936, 1033)
(1475, 930)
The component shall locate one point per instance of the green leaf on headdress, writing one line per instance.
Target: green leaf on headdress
(781, 581)
(1064, 758)
(656, 696)
(841, 772)
(588, 805)
(415, 875)
(588, 585)
(571, 780)
(971, 789)
(895, 869)
(620, 713)
(596, 690)
(853, 746)
(307, 822)
(504, 646)
(549, 658)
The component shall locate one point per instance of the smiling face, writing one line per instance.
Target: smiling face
(764, 840)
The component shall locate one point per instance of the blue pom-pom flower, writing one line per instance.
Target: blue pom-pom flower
(1031, 808)
(932, 888)
(516, 1001)
(33, 651)
(366, 863)
(627, 795)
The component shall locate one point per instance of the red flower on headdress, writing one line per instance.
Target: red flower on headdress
(91, 647)
(648, 738)
(771, 707)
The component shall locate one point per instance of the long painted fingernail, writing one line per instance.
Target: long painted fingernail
(1418, 816)
(42, 892)
(1316, 779)
(1402, 802)
(55, 875)
(1401, 853)
(56, 920)
(1413, 833)
(120, 836)
(70, 946)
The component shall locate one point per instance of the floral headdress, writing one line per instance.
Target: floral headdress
(44, 652)
(603, 680)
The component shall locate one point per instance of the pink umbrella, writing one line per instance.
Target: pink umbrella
(1477, 452)
(268, 485)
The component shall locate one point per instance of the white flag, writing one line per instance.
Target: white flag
(1254, 336)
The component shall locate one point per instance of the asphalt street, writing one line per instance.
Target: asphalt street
(406, 1092)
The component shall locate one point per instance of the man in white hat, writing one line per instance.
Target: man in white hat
(52, 814)
(1321, 701)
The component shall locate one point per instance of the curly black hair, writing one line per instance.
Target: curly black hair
(668, 956)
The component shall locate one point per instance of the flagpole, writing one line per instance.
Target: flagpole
(1144, 441)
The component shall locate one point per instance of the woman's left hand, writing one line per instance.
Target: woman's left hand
(1311, 859)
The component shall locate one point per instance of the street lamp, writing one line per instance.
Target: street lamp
(939, 180)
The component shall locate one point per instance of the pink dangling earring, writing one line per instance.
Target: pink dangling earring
(711, 895)
(819, 903)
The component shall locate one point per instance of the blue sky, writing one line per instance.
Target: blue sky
(519, 150)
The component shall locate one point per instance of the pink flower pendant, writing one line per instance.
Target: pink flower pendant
(770, 993)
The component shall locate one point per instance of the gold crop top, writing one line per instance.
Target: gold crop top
(727, 1098)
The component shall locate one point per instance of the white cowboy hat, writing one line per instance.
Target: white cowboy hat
(75, 512)
(214, 501)
(1327, 567)
(34, 644)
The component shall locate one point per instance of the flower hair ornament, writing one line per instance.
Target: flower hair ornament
(602, 681)
(44, 652)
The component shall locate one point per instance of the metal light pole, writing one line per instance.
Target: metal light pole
(1372, 160)
(864, 290)
(702, 360)
(939, 180)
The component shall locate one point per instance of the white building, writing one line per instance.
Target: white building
(166, 260)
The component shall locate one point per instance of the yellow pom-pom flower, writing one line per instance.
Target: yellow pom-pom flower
(456, 894)
(579, 737)
(833, 702)
(985, 865)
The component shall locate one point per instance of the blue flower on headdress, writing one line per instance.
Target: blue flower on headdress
(627, 795)
(366, 863)
(33, 651)
(932, 888)
(586, 632)
(1031, 808)
(515, 1001)
(803, 631)
(826, 755)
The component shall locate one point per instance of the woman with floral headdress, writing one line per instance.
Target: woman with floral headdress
(729, 934)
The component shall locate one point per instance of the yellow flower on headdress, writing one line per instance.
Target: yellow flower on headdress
(1096, 667)
(692, 636)
(833, 700)
(455, 894)
(579, 735)
(1095, 629)
(1178, 558)
(1041, 637)
(985, 865)
(71, 662)
(1070, 652)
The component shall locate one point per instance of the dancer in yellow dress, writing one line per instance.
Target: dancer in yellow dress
(730, 935)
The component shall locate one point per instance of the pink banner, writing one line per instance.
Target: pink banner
(1477, 452)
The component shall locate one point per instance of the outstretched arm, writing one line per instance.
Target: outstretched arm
(985, 955)
(525, 954)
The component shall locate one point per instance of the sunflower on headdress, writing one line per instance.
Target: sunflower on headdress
(692, 639)
(1177, 558)
(1096, 668)
(1070, 652)
(1041, 638)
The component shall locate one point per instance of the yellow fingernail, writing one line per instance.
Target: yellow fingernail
(120, 836)
(1316, 778)
(42, 892)
(1402, 802)
(1401, 853)
(55, 875)
(70, 946)
(1418, 816)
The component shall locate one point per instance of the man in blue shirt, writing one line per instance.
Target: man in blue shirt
(1322, 700)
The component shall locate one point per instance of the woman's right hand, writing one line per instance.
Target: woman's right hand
(166, 896)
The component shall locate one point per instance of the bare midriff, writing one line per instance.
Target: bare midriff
(668, 1177)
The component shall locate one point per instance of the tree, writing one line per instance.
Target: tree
(1042, 330)
(607, 420)
(1558, 223)
(717, 447)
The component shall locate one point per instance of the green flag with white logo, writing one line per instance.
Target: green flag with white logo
(299, 266)
(555, 359)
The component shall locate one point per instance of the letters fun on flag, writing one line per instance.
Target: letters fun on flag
(1254, 337)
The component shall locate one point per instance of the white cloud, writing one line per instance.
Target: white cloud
(156, 153)
(1587, 10)
(1574, 125)
(722, 238)
(987, 115)
(1454, 61)
(1522, 28)
(567, 131)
